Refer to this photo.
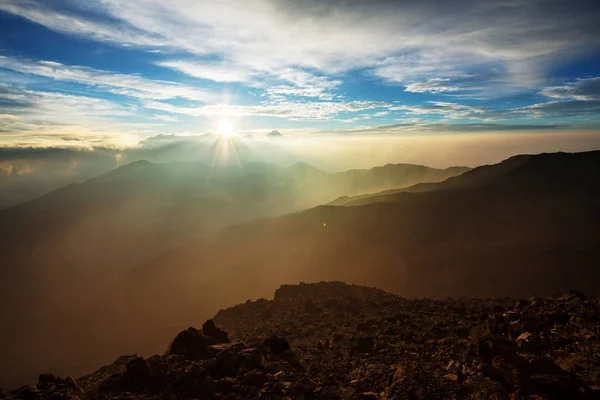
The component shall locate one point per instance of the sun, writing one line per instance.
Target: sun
(226, 127)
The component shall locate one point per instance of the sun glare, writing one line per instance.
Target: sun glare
(226, 127)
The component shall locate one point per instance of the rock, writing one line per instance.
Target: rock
(137, 376)
(225, 384)
(254, 378)
(462, 332)
(250, 359)
(527, 336)
(570, 295)
(191, 344)
(337, 338)
(211, 331)
(521, 304)
(277, 344)
(399, 376)
(226, 363)
(46, 379)
(363, 344)
(310, 307)
(368, 396)
(543, 349)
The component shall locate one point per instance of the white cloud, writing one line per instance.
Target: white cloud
(449, 110)
(586, 89)
(126, 85)
(433, 85)
(398, 41)
(297, 82)
(43, 13)
(59, 107)
(283, 109)
(218, 72)
(165, 118)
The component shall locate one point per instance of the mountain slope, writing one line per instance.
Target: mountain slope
(329, 340)
(64, 254)
(522, 217)
(519, 234)
(523, 172)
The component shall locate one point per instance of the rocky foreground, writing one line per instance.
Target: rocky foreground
(335, 341)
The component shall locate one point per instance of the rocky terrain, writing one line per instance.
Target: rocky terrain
(335, 341)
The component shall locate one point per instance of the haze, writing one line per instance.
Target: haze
(161, 160)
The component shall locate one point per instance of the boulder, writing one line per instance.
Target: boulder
(363, 344)
(137, 376)
(217, 335)
(255, 378)
(277, 344)
(191, 343)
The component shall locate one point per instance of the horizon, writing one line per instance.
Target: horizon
(87, 82)
(427, 164)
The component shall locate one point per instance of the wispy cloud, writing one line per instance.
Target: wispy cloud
(341, 61)
(394, 39)
(122, 84)
(450, 110)
(433, 85)
(583, 89)
(214, 71)
(285, 109)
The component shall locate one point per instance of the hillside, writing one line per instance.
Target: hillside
(138, 211)
(329, 340)
(524, 172)
(64, 254)
(516, 229)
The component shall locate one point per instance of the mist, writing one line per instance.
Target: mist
(26, 173)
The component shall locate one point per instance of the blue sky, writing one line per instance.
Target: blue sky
(110, 73)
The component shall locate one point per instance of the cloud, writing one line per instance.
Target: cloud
(40, 119)
(122, 84)
(397, 41)
(56, 107)
(284, 109)
(166, 118)
(277, 84)
(422, 126)
(562, 109)
(584, 89)
(101, 29)
(214, 71)
(433, 85)
(450, 110)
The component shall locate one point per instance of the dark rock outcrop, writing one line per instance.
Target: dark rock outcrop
(364, 344)
(210, 330)
(191, 343)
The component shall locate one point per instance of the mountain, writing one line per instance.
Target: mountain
(527, 226)
(329, 340)
(142, 209)
(69, 258)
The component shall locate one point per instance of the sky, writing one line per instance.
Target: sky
(113, 74)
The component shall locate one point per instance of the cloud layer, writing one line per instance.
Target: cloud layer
(337, 65)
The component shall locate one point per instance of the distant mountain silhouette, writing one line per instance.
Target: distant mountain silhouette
(64, 254)
(525, 227)
(141, 209)
(528, 225)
